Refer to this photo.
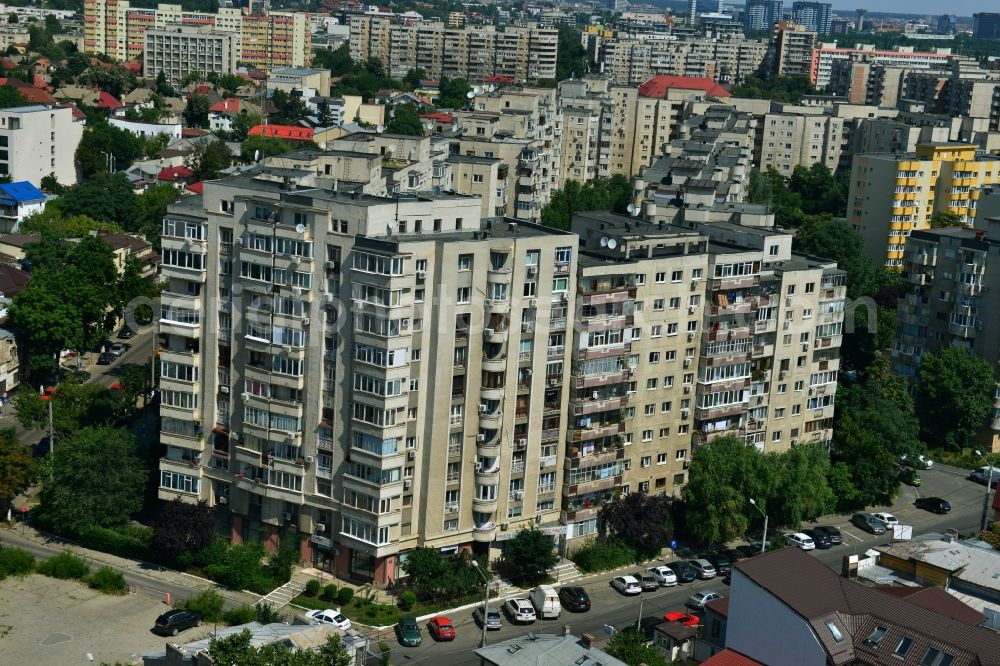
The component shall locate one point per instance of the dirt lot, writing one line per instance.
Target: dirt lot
(49, 622)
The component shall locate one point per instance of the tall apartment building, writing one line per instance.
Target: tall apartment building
(825, 54)
(815, 16)
(961, 89)
(949, 302)
(584, 126)
(792, 48)
(892, 195)
(268, 40)
(39, 141)
(634, 60)
(178, 50)
(521, 52)
(761, 14)
(861, 82)
(986, 25)
(792, 136)
(362, 375)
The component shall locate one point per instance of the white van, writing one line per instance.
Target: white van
(546, 602)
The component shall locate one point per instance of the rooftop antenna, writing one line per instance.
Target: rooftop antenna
(633, 210)
(379, 129)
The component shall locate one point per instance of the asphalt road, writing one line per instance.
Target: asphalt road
(611, 608)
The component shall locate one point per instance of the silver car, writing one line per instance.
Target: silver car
(487, 615)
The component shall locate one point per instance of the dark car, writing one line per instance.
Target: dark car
(645, 626)
(575, 599)
(685, 572)
(647, 582)
(868, 523)
(175, 621)
(832, 532)
(742, 552)
(932, 504)
(105, 359)
(409, 632)
(126, 333)
(819, 537)
(722, 561)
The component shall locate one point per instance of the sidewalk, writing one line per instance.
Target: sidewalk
(137, 567)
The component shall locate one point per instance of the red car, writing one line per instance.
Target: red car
(683, 618)
(441, 628)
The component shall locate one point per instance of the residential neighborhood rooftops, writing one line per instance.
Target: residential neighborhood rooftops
(283, 132)
(659, 85)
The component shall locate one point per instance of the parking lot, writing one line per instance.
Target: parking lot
(50, 622)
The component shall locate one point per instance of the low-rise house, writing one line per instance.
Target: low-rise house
(18, 201)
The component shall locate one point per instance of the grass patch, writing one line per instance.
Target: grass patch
(15, 562)
(65, 566)
(108, 581)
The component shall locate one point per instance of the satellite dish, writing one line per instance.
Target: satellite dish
(478, 90)
(491, 88)
(612, 243)
(300, 228)
(604, 241)
(380, 129)
(256, 156)
(470, 94)
(632, 209)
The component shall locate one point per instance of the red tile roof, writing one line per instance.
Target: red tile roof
(174, 174)
(108, 101)
(659, 85)
(133, 67)
(197, 188)
(192, 132)
(36, 96)
(505, 80)
(283, 132)
(440, 117)
(228, 105)
(77, 113)
(730, 658)
(7, 63)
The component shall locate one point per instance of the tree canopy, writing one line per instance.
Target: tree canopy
(183, 527)
(10, 97)
(778, 89)
(208, 159)
(101, 139)
(452, 93)
(406, 120)
(614, 193)
(630, 646)
(237, 650)
(97, 480)
(808, 191)
(642, 521)
(107, 197)
(530, 554)
(571, 59)
(17, 466)
(954, 395)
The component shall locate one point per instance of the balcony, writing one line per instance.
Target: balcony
(581, 408)
(490, 393)
(597, 432)
(547, 461)
(488, 476)
(496, 335)
(715, 413)
(598, 457)
(498, 275)
(733, 282)
(495, 364)
(597, 324)
(491, 420)
(484, 505)
(593, 353)
(484, 533)
(590, 381)
(723, 334)
(583, 513)
(592, 486)
(715, 361)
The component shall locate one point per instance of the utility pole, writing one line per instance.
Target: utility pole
(986, 498)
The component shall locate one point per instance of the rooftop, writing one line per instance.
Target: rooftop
(976, 566)
(659, 85)
(20, 192)
(545, 650)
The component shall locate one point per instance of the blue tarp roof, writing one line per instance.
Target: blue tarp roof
(20, 192)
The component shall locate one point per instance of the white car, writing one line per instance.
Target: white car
(330, 616)
(665, 576)
(803, 541)
(699, 599)
(520, 610)
(626, 585)
(886, 519)
(923, 462)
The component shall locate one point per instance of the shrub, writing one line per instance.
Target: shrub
(345, 595)
(265, 613)
(329, 592)
(108, 581)
(207, 603)
(65, 565)
(215, 551)
(604, 555)
(312, 588)
(407, 600)
(130, 542)
(241, 615)
(241, 568)
(15, 562)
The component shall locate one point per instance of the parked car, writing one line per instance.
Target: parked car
(685, 573)
(910, 477)
(647, 582)
(803, 541)
(408, 632)
(982, 475)
(663, 575)
(126, 333)
(699, 599)
(118, 349)
(722, 562)
(545, 599)
(683, 618)
(330, 616)
(921, 462)
(105, 359)
(887, 518)
(819, 537)
(868, 523)
(441, 628)
(175, 621)
(519, 610)
(835, 538)
(575, 599)
(933, 504)
(626, 585)
(703, 568)
(487, 615)
(743, 552)
(645, 626)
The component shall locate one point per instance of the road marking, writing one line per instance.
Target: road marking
(851, 535)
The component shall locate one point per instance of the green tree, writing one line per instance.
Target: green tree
(183, 527)
(17, 467)
(338, 60)
(244, 122)
(406, 120)
(115, 80)
(614, 193)
(836, 240)
(101, 139)
(413, 78)
(288, 107)
(163, 86)
(530, 553)
(452, 93)
(630, 646)
(779, 89)
(75, 405)
(52, 222)
(571, 58)
(942, 218)
(642, 521)
(237, 650)
(196, 111)
(425, 567)
(10, 97)
(230, 83)
(97, 479)
(209, 158)
(152, 206)
(268, 146)
(104, 197)
(954, 395)
(323, 113)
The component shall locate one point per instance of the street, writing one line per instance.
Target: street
(611, 608)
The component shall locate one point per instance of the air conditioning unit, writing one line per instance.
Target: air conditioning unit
(631, 371)
(692, 309)
(310, 460)
(404, 323)
(522, 442)
(526, 326)
(805, 346)
(685, 413)
(690, 337)
(488, 332)
(795, 441)
(407, 484)
(532, 270)
(421, 275)
(305, 321)
(287, 517)
(223, 389)
(687, 390)
(533, 303)
(411, 455)
(788, 301)
(786, 325)
(480, 438)
(320, 527)
(564, 297)
(518, 495)
(223, 500)
(593, 395)
(482, 409)
(694, 286)
(782, 374)
(687, 362)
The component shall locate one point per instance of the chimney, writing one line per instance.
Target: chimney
(589, 641)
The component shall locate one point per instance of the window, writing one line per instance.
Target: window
(640, 278)
(564, 255)
(904, 646)
(661, 277)
(654, 357)
(657, 331)
(779, 413)
(646, 461)
(680, 454)
(657, 304)
(651, 384)
(647, 435)
(835, 632)
(671, 329)
(661, 459)
(665, 407)
(465, 262)
(696, 274)
(477, 178)
(675, 303)
(676, 276)
(935, 657)
(649, 409)
(464, 294)
(560, 284)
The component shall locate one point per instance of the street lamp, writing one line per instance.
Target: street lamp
(486, 606)
(986, 497)
(763, 538)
